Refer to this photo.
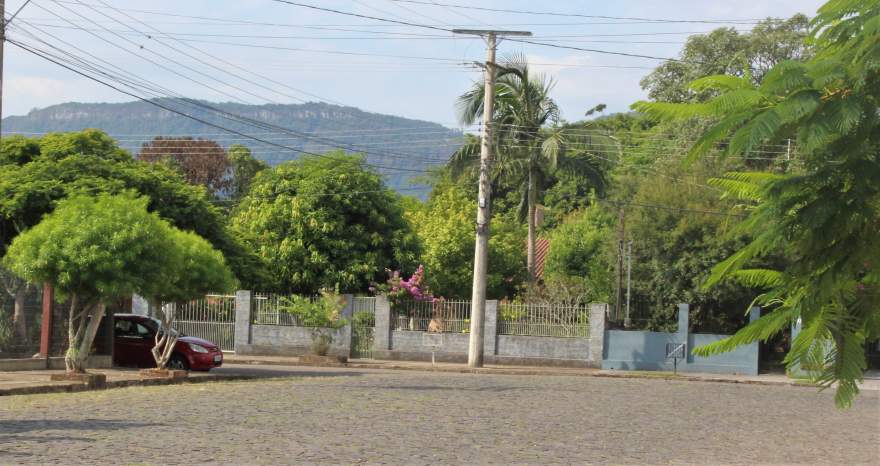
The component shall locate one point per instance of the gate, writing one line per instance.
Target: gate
(211, 318)
(363, 323)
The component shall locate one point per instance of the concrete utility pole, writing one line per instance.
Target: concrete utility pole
(481, 250)
(3, 24)
(627, 322)
(2, 46)
(621, 236)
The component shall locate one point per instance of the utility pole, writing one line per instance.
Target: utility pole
(481, 250)
(2, 46)
(3, 24)
(621, 236)
(627, 323)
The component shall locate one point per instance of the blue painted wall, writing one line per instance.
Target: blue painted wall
(641, 350)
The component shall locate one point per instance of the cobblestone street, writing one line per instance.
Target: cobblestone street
(350, 416)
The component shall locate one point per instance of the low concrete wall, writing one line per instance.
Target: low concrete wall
(39, 364)
(498, 349)
(526, 347)
(642, 350)
(280, 340)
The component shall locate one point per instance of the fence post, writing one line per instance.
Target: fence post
(242, 338)
(597, 333)
(382, 331)
(345, 332)
(683, 332)
(490, 328)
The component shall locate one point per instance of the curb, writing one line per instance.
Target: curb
(533, 372)
(82, 387)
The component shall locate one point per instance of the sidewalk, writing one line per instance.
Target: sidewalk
(32, 382)
(872, 380)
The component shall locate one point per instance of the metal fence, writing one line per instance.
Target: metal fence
(363, 325)
(211, 318)
(432, 316)
(543, 320)
(268, 309)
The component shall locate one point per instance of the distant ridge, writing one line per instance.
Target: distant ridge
(389, 141)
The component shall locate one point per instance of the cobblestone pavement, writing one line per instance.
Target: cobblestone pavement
(350, 416)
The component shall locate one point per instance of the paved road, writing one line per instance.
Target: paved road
(355, 416)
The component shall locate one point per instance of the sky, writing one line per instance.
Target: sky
(268, 51)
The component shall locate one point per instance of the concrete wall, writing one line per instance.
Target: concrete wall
(497, 349)
(283, 340)
(641, 350)
(38, 364)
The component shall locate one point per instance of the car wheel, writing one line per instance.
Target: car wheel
(177, 362)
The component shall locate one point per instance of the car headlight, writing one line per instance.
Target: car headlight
(198, 348)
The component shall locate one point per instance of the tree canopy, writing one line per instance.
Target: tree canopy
(323, 222)
(825, 218)
(445, 228)
(32, 182)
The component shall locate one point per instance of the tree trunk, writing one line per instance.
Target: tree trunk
(85, 345)
(72, 332)
(19, 319)
(530, 242)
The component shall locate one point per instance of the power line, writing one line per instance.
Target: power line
(257, 123)
(172, 110)
(578, 15)
(426, 26)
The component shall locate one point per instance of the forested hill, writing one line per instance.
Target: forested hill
(389, 141)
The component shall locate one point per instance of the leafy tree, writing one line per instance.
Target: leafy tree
(445, 228)
(93, 251)
(203, 162)
(825, 220)
(324, 221)
(191, 269)
(30, 189)
(526, 152)
(244, 168)
(727, 51)
(579, 252)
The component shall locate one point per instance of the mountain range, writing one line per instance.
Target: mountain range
(399, 148)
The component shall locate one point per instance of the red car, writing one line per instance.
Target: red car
(134, 337)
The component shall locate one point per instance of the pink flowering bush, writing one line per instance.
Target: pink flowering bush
(397, 289)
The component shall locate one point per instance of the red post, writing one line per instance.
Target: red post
(46, 327)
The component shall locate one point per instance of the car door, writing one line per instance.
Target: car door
(146, 339)
(127, 343)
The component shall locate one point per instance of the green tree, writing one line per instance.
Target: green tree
(192, 269)
(526, 152)
(579, 252)
(77, 163)
(325, 221)
(244, 168)
(444, 225)
(727, 51)
(93, 251)
(824, 220)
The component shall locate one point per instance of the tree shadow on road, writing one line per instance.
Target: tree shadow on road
(30, 425)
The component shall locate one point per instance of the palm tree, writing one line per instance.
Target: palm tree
(529, 144)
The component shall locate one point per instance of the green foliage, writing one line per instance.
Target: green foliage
(98, 248)
(579, 251)
(324, 312)
(445, 228)
(303, 221)
(726, 51)
(244, 168)
(530, 147)
(93, 164)
(824, 220)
